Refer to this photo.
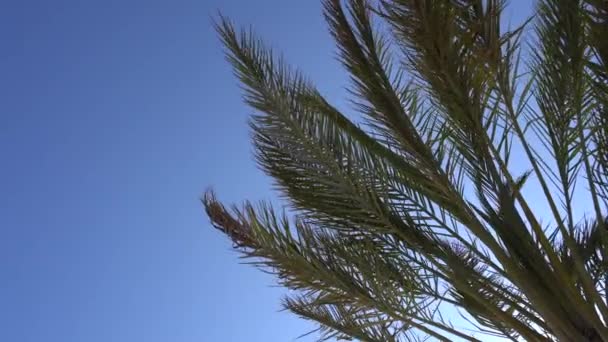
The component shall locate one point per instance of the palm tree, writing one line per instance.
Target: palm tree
(425, 204)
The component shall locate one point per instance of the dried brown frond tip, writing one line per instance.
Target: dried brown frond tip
(239, 231)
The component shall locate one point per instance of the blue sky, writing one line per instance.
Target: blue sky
(116, 115)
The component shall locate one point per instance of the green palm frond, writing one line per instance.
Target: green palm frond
(562, 90)
(419, 208)
(597, 15)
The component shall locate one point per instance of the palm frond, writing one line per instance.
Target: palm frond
(420, 207)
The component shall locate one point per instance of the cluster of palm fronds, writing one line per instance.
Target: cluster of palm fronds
(424, 206)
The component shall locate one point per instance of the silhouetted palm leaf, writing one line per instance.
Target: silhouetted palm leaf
(419, 208)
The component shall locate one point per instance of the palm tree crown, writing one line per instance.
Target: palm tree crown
(423, 205)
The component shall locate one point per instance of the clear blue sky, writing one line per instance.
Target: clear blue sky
(116, 115)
